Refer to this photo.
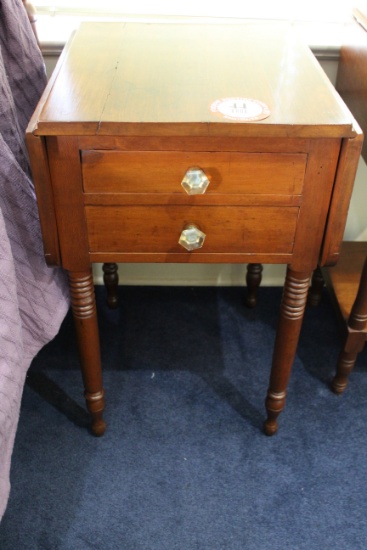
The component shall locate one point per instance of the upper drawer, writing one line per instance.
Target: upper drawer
(162, 172)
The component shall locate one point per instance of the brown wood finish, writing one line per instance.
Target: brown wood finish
(186, 143)
(156, 229)
(160, 81)
(356, 332)
(289, 327)
(342, 192)
(347, 285)
(352, 76)
(162, 172)
(85, 318)
(129, 111)
(347, 281)
(181, 198)
(317, 285)
(41, 173)
(253, 281)
(111, 281)
(344, 278)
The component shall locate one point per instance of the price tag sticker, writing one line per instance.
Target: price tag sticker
(241, 109)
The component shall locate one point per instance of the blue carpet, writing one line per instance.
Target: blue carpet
(184, 464)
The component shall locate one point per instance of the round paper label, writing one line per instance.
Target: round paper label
(241, 109)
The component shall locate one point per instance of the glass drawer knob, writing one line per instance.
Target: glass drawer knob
(195, 181)
(192, 238)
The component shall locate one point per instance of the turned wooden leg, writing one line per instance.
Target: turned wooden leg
(85, 317)
(344, 367)
(111, 281)
(253, 280)
(289, 327)
(356, 336)
(315, 291)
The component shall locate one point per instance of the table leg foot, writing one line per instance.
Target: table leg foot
(344, 368)
(83, 306)
(270, 427)
(338, 387)
(95, 406)
(274, 403)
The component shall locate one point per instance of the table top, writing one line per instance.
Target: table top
(171, 79)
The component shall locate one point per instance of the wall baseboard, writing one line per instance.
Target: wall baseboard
(190, 275)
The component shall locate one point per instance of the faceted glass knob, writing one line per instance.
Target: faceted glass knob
(195, 181)
(192, 238)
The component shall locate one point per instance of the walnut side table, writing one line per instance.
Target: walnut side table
(191, 143)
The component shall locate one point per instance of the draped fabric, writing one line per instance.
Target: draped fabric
(33, 297)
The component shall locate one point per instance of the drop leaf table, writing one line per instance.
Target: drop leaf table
(191, 143)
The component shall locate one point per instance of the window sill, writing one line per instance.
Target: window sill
(324, 39)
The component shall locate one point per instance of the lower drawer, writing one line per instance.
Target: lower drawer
(157, 229)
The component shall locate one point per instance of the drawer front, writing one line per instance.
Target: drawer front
(157, 229)
(162, 172)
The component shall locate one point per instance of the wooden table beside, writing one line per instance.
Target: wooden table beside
(132, 110)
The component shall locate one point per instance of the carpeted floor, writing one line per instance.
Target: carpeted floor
(184, 464)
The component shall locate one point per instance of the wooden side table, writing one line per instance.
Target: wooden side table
(347, 285)
(191, 143)
(347, 281)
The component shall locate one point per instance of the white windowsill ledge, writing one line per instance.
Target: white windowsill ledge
(324, 39)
